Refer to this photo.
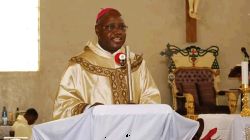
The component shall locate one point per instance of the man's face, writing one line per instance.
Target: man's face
(31, 119)
(111, 32)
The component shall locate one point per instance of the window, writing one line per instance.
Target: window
(19, 39)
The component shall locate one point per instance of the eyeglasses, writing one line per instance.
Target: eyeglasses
(112, 27)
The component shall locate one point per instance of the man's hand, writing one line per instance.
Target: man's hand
(95, 104)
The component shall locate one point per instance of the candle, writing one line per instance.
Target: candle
(244, 72)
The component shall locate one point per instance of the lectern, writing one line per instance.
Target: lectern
(120, 122)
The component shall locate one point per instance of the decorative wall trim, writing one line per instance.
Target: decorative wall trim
(193, 52)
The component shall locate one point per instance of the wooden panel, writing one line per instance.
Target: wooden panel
(191, 27)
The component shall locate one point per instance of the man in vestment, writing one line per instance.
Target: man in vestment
(22, 125)
(93, 77)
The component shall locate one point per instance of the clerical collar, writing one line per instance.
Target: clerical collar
(100, 51)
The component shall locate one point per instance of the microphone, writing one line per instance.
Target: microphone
(120, 59)
(243, 49)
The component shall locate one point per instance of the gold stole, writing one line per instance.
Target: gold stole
(117, 77)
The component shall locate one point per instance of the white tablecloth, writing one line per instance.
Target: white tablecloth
(229, 126)
(120, 122)
(238, 128)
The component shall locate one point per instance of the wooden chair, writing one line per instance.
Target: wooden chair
(194, 80)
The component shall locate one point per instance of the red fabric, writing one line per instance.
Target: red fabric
(210, 134)
(103, 12)
(117, 59)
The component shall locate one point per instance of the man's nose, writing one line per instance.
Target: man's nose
(118, 31)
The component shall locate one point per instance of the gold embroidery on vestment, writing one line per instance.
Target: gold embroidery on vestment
(117, 77)
(78, 109)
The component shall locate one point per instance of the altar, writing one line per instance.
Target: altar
(229, 126)
(120, 122)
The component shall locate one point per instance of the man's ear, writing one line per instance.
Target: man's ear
(97, 30)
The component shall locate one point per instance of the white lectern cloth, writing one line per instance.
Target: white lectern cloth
(238, 128)
(120, 122)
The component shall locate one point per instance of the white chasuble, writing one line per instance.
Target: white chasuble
(93, 76)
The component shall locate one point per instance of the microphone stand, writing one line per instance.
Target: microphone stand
(129, 77)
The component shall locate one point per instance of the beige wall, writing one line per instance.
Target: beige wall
(67, 25)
